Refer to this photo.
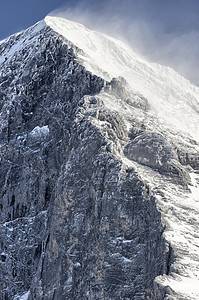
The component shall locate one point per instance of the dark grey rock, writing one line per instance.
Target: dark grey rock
(75, 221)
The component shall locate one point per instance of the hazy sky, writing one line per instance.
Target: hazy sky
(165, 31)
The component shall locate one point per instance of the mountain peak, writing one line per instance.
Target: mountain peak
(175, 101)
(99, 182)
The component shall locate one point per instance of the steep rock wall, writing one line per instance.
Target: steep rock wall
(76, 222)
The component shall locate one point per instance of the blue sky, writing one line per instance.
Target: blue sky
(16, 15)
(164, 31)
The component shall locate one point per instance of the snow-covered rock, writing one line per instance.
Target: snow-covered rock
(99, 170)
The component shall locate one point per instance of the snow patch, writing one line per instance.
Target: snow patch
(25, 296)
(40, 131)
(194, 187)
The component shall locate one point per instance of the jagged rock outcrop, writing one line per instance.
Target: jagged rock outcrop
(82, 223)
(103, 224)
(77, 218)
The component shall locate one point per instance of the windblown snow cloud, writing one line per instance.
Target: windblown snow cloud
(166, 32)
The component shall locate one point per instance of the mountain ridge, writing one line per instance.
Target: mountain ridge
(65, 122)
(69, 30)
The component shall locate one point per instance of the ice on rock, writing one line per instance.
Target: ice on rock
(40, 131)
(25, 296)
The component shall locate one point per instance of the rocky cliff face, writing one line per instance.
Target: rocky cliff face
(79, 218)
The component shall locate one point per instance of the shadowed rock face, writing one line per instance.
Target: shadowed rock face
(75, 221)
(104, 234)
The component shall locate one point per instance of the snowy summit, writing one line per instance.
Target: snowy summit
(100, 170)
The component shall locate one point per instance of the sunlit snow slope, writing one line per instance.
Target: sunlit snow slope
(172, 98)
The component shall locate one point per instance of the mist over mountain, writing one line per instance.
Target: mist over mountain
(165, 32)
(99, 170)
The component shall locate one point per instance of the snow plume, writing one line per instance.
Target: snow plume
(163, 31)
